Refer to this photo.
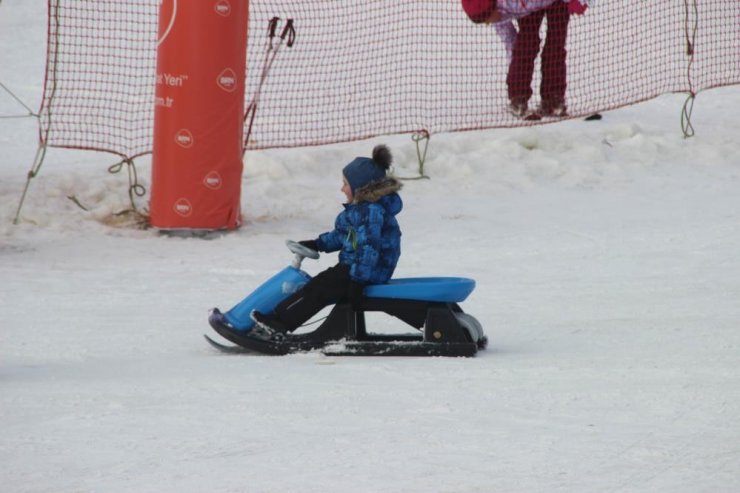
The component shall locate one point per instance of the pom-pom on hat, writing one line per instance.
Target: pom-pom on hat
(365, 170)
(479, 10)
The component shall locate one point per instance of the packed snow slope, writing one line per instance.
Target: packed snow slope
(608, 282)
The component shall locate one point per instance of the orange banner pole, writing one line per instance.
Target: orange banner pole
(198, 115)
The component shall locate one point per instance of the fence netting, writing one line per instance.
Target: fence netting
(354, 69)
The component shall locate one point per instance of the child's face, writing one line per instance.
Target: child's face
(346, 190)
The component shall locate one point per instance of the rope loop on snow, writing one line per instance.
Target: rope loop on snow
(421, 154)
(688, 107)
(690, 29)
(135, 189)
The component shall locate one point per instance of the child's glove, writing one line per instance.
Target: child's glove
(312, 244)
(576, 7)
(354, 294)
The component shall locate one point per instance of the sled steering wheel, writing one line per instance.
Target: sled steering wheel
(301, 250)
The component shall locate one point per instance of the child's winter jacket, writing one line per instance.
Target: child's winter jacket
(367, 233)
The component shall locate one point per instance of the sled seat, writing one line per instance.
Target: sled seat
(439, 289)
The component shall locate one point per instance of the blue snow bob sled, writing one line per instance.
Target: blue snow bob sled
(265, 298)
(428, 304)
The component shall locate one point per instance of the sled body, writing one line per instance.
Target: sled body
(439, 289)
(430, 305)
(266, 297)
(443, 329)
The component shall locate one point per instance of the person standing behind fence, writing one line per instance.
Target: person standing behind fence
(523, 45)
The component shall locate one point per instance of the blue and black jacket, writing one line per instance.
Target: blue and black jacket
(367, 234)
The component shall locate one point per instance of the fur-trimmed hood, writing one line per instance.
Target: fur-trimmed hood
(377, 190)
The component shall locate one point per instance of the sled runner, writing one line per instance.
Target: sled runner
(428, 304)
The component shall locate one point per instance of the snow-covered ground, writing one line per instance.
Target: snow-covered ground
(606, 257)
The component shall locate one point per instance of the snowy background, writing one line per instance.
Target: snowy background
(606, 256)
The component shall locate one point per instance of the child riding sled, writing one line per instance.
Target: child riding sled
(367, 236)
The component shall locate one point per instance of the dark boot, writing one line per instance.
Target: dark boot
(267, 322)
